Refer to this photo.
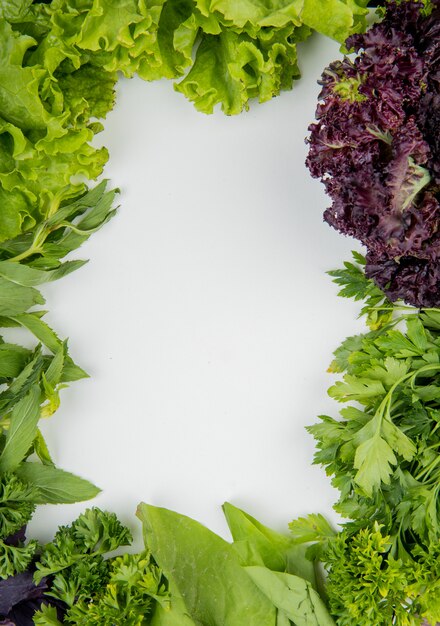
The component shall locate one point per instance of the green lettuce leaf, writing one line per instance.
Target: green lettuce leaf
(204, 571)
(256, 13)
(230, 69)
(234, 50)
(46, 108)
(335, 18)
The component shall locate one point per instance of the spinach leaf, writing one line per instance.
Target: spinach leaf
(205, 571)
(293, 596)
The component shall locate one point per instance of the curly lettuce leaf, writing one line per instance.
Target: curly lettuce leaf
(335, 18)
(130, 36)
(256, 13)
(45, 134)
(14, 10)
(234, 51)
(248, 49)
(230, 69)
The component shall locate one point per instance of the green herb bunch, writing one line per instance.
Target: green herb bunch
(31, 379)
(97, 590)
(383, 456)
(384, 452)
(368, 585)
(59, 65)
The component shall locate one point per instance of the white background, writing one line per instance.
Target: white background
(205, 316)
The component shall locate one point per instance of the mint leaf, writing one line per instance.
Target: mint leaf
(22, 430)
(55, 486)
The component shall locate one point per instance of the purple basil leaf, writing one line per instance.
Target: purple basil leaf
(17, 538)
(19, 588)
(22, 614)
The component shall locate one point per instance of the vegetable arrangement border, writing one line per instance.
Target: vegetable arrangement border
(378, 121)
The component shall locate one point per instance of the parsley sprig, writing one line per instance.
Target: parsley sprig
(382, 452)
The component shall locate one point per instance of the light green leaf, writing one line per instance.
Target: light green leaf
(88, 93)
(205, 571)
(416, 333)
(51, 396)
(232, 68)
(398, 441)
(20, 102)
(15, 559)
(13, 358)
(261, 13)
(426, 393)
(29, 375)
(56, 486)
(64, 269)
(173, 613)
(282, 619)
(398, 345)
(271, 546)
(46, 616)
(41, 449)
(172, 37)
(343, 353)
(373, 460)
(334, 18)
(356, 388)
(15, 299)
(389, 372)
(14, 10)
(72, 372)
(314, 527)
(29, 277)
(55, 370)
(292, 595)
(21, 274)
(40, 329)
(259, 545)
(22, 430)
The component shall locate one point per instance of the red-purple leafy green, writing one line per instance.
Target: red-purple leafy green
(376, 147)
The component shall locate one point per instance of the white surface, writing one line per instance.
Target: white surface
(205, 316)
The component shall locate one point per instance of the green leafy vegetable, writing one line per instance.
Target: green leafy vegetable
(134, 584)
(294, 597)
(16, 559)
(122, 589)
(56, 486)
(383, 457)
(32, 379)
(258, 545)
(367, 585)
(203, 570)
(377, 308)
(17, 504)
(59, 64)
(43, 143)
(22, 430)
